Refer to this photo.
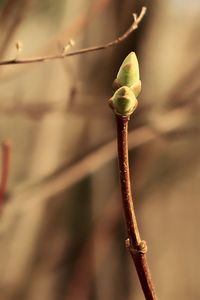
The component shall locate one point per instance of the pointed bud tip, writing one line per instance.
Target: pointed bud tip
(128, 74)
(130, 58)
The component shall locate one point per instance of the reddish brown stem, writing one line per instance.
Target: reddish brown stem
(6, 150)
(136, 246)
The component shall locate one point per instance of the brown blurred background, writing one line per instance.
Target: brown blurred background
(61, 229)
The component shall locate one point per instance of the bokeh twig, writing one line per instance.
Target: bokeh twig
(120, 39)
(6, 151)
(102, 233)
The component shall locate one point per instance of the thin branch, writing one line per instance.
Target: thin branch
(123, 103)
(6, 151)
(117, 41)
(136, 246)
(80, 23)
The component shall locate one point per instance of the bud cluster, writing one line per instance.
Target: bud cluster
(128, 86)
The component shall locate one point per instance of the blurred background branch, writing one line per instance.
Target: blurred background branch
(6, 153)
(134, 26)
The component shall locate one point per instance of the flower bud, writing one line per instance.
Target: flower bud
(123, 101)
(136, 88)
(128, 74)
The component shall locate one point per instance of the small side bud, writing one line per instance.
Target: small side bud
(19, 46)
(136, 88)
(123, 101)
(70, 44)
(116, 85)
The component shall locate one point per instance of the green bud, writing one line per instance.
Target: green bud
(136, 88)
(123, 101)
(129, 75)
